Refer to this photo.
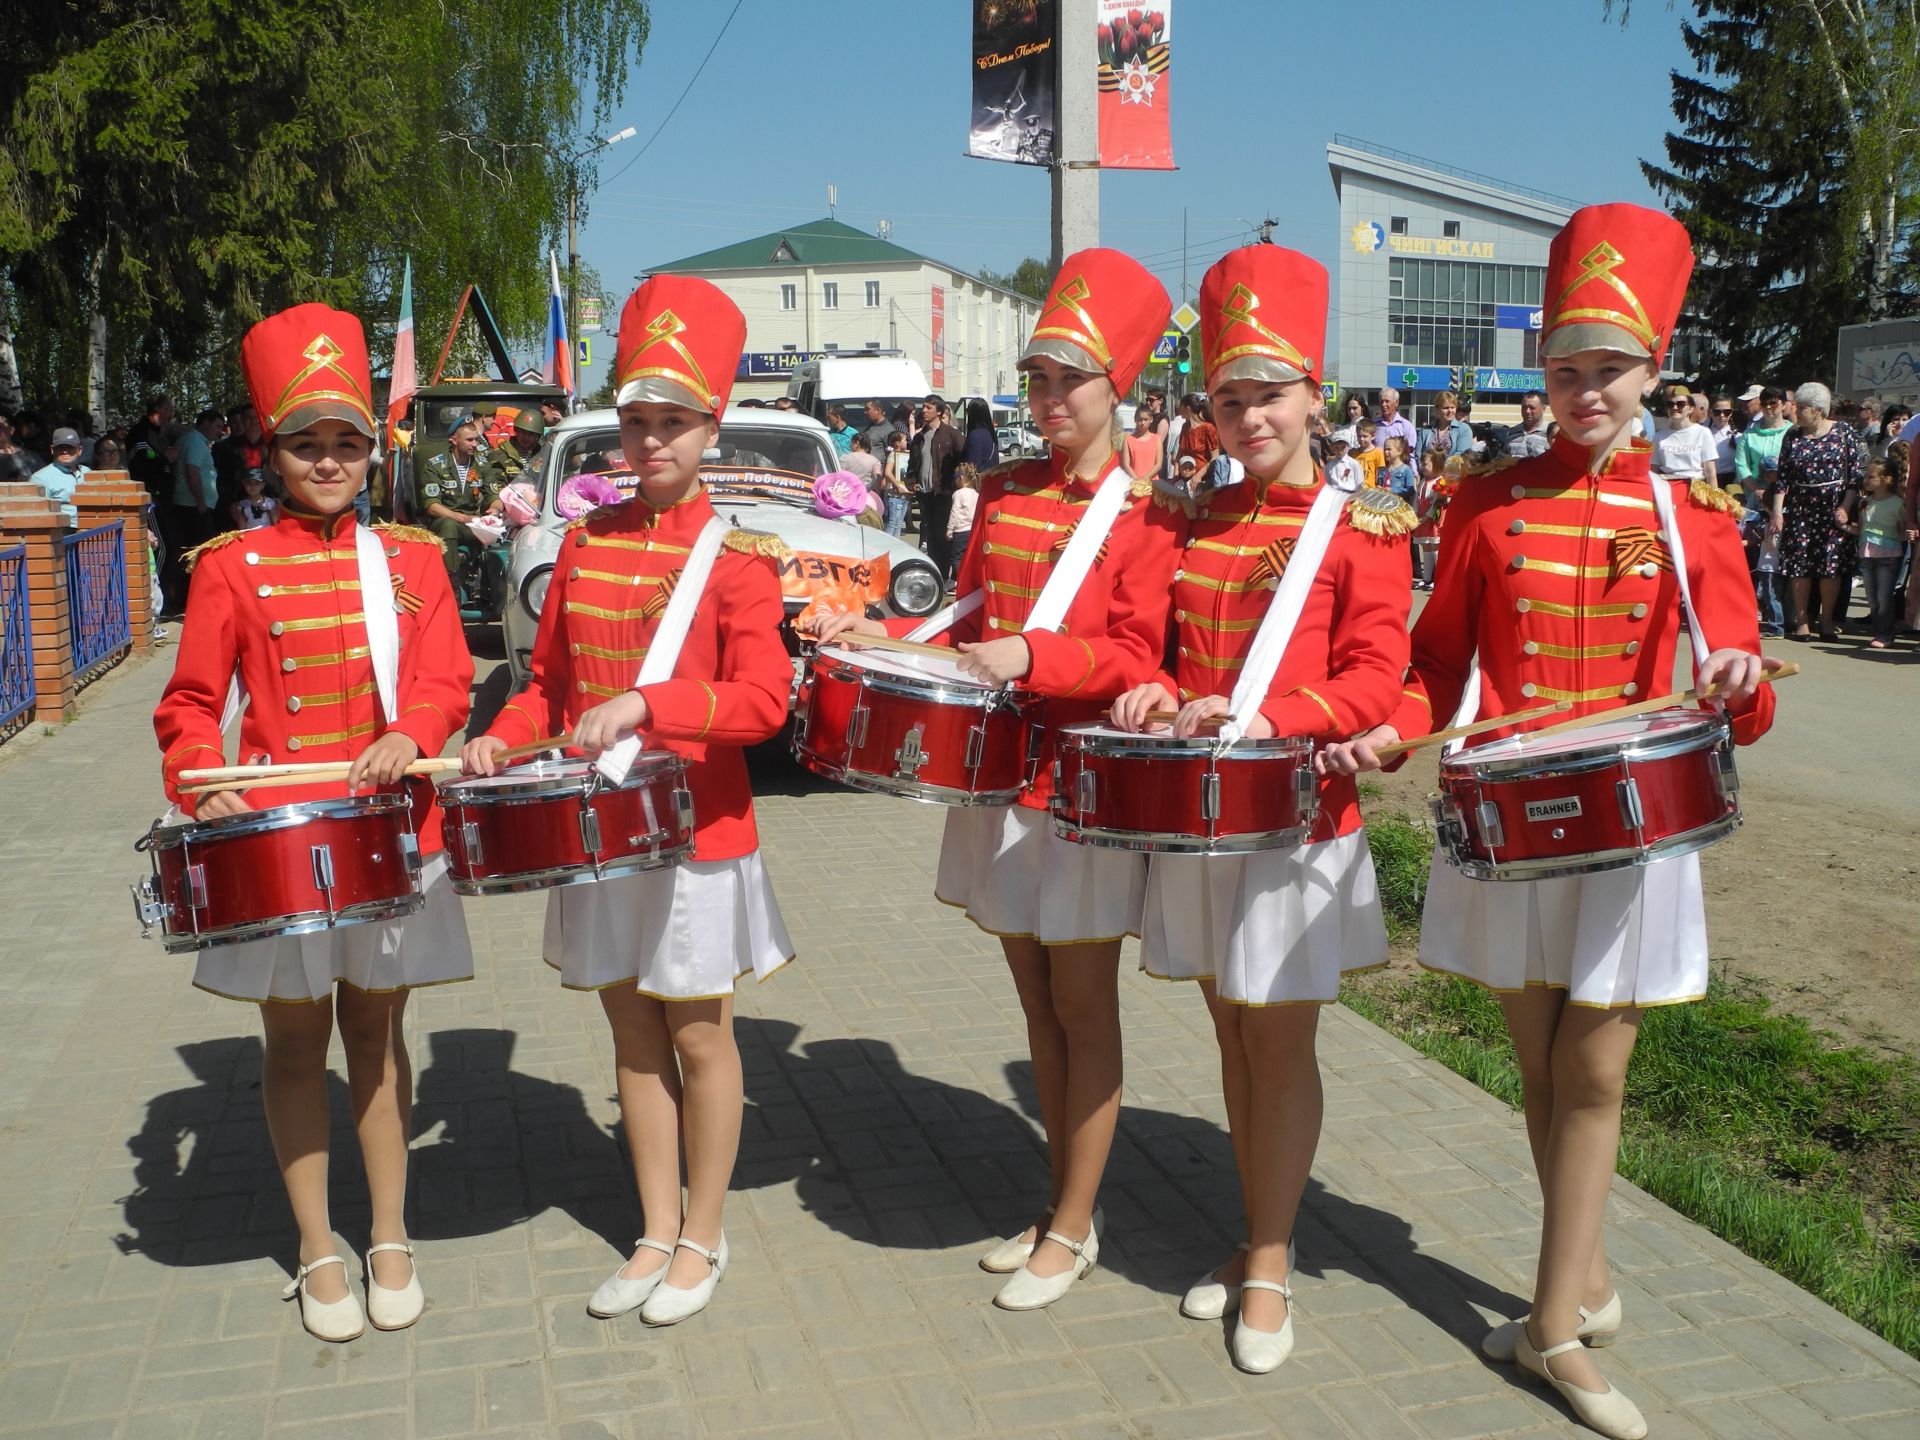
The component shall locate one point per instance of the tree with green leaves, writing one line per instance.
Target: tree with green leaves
(1794, 166)
(1030, 278)
(178, 168)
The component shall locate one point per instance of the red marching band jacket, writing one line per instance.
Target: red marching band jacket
(1115, 628)
(282, 606)
(1559, 581)
(1343, 667)
(730, 684)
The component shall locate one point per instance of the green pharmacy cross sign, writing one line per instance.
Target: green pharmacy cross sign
(1410, 378)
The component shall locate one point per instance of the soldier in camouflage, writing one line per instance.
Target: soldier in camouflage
(453, 488)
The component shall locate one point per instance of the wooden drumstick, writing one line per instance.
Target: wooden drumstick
(321, 772)
(1642, 707)
(1167, 717)
(1440, 737)
(889, 642)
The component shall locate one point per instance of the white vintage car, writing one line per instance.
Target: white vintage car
(760, 477)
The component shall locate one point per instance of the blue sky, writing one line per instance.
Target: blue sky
(872, 95)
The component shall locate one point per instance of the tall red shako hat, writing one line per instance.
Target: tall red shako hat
(1616, 275)
(1105, 312)
(680, 344)
(1263, 316)
(306, 364)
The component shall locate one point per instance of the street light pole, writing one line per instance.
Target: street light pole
(573, 228)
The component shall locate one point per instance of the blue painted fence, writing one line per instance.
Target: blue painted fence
(99, 628)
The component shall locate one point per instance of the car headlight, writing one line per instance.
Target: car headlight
(915, 588)
(533, 593)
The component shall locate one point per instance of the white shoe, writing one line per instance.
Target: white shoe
(1009, 1255)
(669, 1304)
(394, 1309)
(617, 1294)
(1598, 1329)
(334, 1320)
(1025, 1290)
(1259, 1351)
(1607, 1411)
(1212, 1297)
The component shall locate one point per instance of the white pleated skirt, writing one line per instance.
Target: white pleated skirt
(683, 933)
(1277, 927)
(1014, 877)
(428, 947)
(1619, 938)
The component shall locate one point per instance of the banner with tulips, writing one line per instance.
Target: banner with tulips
(1135, 130)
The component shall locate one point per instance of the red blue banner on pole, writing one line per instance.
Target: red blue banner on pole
(1136, 131)
(557, 367)
(404, 378)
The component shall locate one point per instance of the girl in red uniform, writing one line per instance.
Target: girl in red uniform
(1061, 910)
(1566, 577)
(1269, 934)
(285, 612)
(664, 948)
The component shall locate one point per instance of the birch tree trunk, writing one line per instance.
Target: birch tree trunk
(97, 343)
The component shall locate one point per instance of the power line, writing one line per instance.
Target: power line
(691, 80)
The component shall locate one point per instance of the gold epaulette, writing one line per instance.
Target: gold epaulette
(758, 542)
(192, 557)
(414, 533)
(1381, 512)
(1177, 501)
(1463, 468)
(1141, 485)
(1709, 496)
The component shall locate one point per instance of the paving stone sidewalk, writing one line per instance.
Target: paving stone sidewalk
(889, 1136)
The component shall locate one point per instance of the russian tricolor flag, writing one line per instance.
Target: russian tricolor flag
(405, 378)
(559, 363)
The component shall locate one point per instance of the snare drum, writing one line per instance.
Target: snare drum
(561, 822)
(1128, 791)
(290, 870)
(913, 725)
(1621, 793)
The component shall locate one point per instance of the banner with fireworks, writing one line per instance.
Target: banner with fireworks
(1135, 130)
(1014, 68)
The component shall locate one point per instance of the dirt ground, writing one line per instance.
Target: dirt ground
(1818, 893)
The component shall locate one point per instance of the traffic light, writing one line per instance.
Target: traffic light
(1453, 379)
(1023, 386)
(1183, 355)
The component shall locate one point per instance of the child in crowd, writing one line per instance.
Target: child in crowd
(1881, 529)
(1763, 559)
(1343, 471)
(1367, 453)
(255, 509)
(1430, 499)
(1398, 468)
(966, 497)
(894, 494)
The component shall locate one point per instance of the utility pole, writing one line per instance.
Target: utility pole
(1076, 145)
(573, 228)
(1184, 296)
(1266, 230)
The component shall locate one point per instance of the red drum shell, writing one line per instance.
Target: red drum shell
(259, 876)
(1515, 810)
(1155, 793)
(527, 828)
(928, 733)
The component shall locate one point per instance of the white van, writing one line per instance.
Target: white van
(854, 377)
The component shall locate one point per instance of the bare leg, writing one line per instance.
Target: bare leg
(293, 1090)
(1800, 592)
(714, 1096)
(1236, 1086)
(1283, 1131)
(380, 1080)
(1533, 1016)
(648, 1079)
(1829, 603)
(1590, 1053)
(1086, 999)
(1032, 972)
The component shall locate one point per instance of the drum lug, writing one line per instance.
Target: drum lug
(976, 746)
(148, 908)
(322, 856)
(857, 725)
(683, 807)
(1725, 775)
(908, 759)
(1210, 796)
(1086, 791)
(410, 850)
(1631, 814)
(590, 832)
(1492, 832)
(470, 842)
(196, 881)
(1306, 793)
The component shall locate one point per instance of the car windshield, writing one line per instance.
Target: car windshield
(442, 415)
(754, 462)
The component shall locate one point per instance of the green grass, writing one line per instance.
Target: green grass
(1801, 1151)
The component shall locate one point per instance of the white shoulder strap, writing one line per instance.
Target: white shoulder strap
(1070, 570)
(1283, 613)
(1670, 532)
(377, 603)
(664, 653)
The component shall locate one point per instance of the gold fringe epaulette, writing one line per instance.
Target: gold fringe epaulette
(1141, 485)
(758, 542)
(1381, 512)
(1709, 496)
(414, 533)
(192, 557)
(1176, 501)
(1462, 467)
